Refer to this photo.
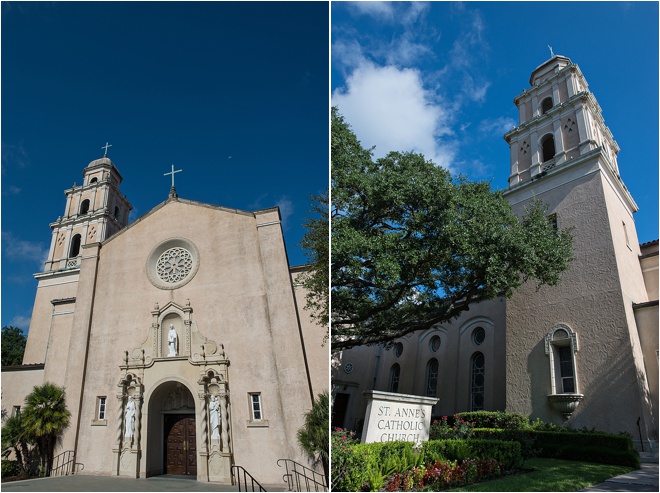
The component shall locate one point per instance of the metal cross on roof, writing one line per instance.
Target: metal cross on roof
(105, 147)
(172, 173)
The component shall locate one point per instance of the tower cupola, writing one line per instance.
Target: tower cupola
(559, 120)
(94, 211)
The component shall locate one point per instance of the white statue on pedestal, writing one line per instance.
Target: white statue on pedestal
(172, 340)
(214, 411)
(129, 417)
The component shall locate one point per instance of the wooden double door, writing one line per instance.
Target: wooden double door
(180, 444)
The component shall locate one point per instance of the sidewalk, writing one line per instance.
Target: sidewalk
(644, 479)
(80, 482)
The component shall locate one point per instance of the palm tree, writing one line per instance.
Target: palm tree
(14, 438)
(314, 436)
(45, 418)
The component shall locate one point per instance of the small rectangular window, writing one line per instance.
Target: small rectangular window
(625, 232)
(255, 406)
(101, 407)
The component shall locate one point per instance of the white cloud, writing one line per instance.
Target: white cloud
(390, 108)
(15, 248)
(379, 10)
(21, 322)
(286, 210)
(496, 127)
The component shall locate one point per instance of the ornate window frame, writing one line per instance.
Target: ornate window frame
(155, 257)
(564, 402)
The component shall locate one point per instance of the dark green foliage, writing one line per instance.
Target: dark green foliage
(496, 419)
(15, 438)
(354, 465)
(13, 345)
(45, 417)
(605, 448)
(508, 453)
(412, 246)
(313, 437)
(316, 245)
(11, 468)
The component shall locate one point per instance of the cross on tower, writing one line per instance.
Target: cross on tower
(173, 190)
(105, 148)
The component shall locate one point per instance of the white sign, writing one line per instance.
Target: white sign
(391, 417)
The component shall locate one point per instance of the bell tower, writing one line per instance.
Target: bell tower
(572, 341)
(94, 211)
(559, 120)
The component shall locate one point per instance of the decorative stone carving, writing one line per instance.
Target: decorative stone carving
(177, 399)
(172, 341)
(214, 412)
(172, 263)
(566, 404)
(129, 417)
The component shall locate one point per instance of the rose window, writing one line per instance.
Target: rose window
(174, 264)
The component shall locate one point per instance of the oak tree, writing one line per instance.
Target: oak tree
(413, 246)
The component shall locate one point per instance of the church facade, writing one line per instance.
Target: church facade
(181, 338)
(583, 352)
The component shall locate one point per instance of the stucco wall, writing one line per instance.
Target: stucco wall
(371, 366)
(589, 300)
(241, 297)
(50, 288)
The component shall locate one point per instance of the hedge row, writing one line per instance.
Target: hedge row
(496, 419)
(604, 448)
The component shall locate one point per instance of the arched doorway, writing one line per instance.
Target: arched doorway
(172, 435)
(180, 451)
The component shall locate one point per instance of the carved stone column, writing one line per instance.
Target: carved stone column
(224, 421)
(138, 421)
(203, 420)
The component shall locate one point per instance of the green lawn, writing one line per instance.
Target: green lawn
(552, 475)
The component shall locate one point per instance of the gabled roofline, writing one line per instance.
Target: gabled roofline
(195, 203)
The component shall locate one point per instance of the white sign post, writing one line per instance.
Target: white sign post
(391, 417)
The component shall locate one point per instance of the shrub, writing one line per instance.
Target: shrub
(11, 468)
(367, 465)
(496, 419)
(604, 448)
(451, 427)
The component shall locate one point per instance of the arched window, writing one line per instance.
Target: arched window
(477, 381)
(116, 212)
(546, 104)
(93, 180)
(84, 207)
(432, 378)
(561, 346)
(75, 246)
(395, 373)
(548, 147)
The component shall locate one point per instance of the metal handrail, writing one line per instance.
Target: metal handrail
(298, 479)
(241, 470)
(63, 464)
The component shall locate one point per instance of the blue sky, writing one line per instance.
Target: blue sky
(235, 94)
(439, 78)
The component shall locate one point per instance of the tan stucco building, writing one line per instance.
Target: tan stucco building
(584, 351)
(181, 338)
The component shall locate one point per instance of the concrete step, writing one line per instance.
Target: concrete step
(649, 457)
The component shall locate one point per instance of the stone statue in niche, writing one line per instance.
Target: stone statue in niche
(129, 417)
(214, 411)
(172, 340)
